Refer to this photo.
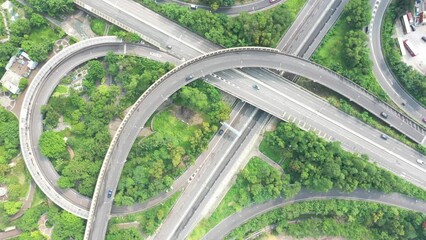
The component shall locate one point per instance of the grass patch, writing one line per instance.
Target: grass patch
(60, 90)
(150, 219)
(2, 154)
(98, 26)
(269, 151)
(39, 198)
(165, 123)
(332, 49)
(43, 35)
(295, 6)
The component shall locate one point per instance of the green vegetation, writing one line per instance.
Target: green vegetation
(119, 234)
(256, 183)
(98, 26)
(53, 146)
(154, 162)
(33, 34)
(65, 224)
(89, 112)
(345, 51)
(3, 33)
(52, 7)
(148, 221)
(413, 81)
(320, 165)
(259, 29)
(12, 176)
(9, 138)
(349, 219)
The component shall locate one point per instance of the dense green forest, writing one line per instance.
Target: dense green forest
(349, 219)
(321, 165)
(259, 29)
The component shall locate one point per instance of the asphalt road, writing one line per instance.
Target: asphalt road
(204, 181)
(365, 137)
(31, 127)
(237, 219)
(383, 74)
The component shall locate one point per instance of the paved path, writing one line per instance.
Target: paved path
(237, 219)
(10, 234)
(27, 202)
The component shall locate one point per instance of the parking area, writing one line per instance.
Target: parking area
(418, 62)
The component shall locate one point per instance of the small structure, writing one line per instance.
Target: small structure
(3, 193)
(8, 6)
(19, 66)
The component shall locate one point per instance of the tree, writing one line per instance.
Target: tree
(37, 20)
(37, 51)
(23, 83)
(53, 146)
(12, 207)
(20, 27)
(95, 71)
(66, 225)
(358, 13)
(52, 7)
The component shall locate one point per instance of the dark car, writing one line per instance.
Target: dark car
(413, 28)
(220, 132)
(424, 38)
(109, 193)
(384, 115)
(189, 77)
(256, 87)
(384, 136)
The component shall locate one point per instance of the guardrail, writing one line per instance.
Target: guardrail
(27, 146)
(117, 23)
(136, 105)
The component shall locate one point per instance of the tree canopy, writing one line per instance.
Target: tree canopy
(52, 7)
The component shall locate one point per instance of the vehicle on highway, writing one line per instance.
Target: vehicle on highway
(256, 87)
(193, 7)
(220, 132)
(424, 119)
(419, 161)
(384, 136)
(169, 46)
(109, 195)
(384, 115)
(189, 77)
(424, 38)
(273, 1)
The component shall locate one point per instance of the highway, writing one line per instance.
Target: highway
(237, 219)
(381, 71)
(38, 94)
(218, 61)
(191, 42)
(187, 45)
(210, 178)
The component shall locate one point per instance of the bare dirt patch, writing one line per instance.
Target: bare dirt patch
(187, 115)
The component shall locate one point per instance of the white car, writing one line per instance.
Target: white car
(419, 161)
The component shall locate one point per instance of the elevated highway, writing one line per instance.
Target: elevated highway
(39, 91)
(199, 67)
(237, 219)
